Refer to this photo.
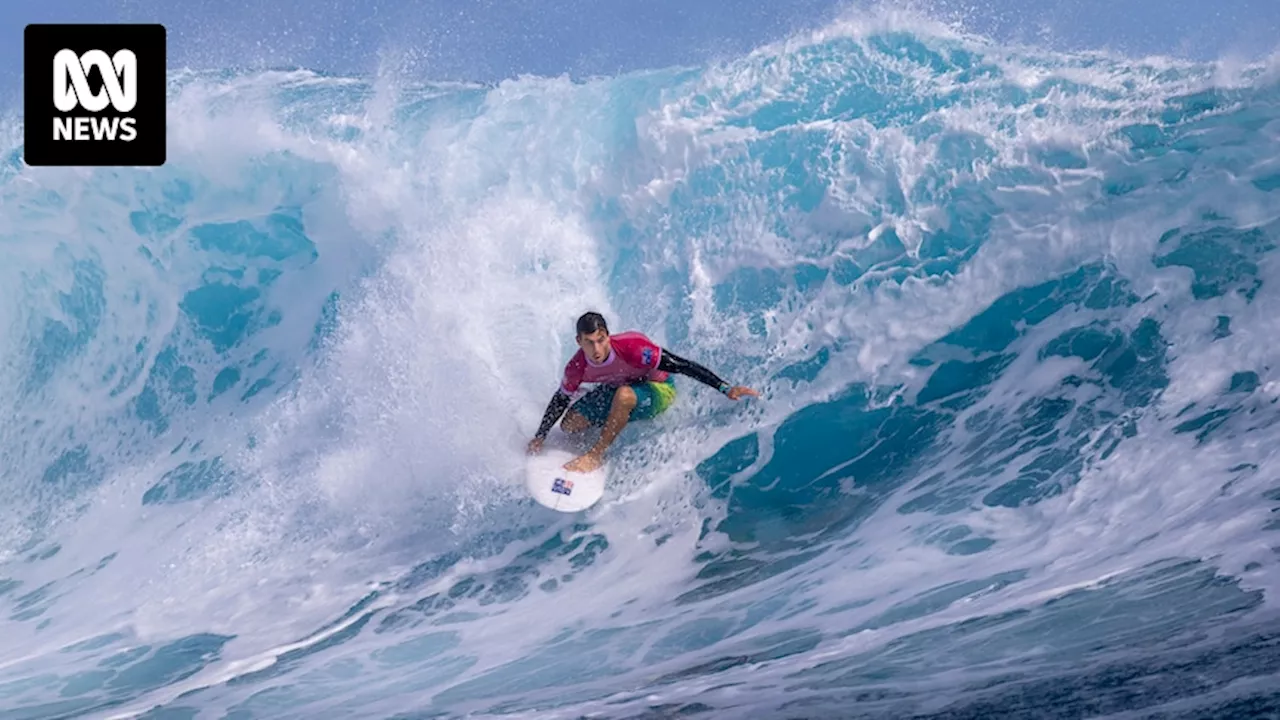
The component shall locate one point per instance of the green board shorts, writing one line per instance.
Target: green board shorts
(652, 398)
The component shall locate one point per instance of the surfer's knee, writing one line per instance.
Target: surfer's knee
(626, 396)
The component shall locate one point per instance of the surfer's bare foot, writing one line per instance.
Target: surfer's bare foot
(585, 464)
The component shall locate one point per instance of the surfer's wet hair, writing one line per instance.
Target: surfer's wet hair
(591, 322)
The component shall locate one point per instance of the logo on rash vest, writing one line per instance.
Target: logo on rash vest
(562, 486)
(646, 356)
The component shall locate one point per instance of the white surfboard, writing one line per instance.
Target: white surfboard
(554, 487)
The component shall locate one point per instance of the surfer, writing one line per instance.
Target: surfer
(635, 383)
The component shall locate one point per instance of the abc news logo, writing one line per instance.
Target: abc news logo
(94, 95)
(71, 90)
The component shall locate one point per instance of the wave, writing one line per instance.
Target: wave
(1010, 310)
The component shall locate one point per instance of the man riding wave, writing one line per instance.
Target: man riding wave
(634, 376)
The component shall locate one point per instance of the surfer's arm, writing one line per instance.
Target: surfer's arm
(670, 362)
(559, 403)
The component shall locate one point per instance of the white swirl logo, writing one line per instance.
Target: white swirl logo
(69, 66)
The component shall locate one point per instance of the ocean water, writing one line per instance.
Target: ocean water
(1012, 314)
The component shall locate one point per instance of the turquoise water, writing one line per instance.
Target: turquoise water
(1011, 313)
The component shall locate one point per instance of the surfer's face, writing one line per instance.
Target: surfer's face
(595, 345)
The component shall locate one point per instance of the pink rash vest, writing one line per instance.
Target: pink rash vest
(632, 358)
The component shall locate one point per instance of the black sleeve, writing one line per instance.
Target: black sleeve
(670, 362)
(555, 408)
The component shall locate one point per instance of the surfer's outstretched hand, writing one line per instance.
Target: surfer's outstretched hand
(738, 391)
(535, 446)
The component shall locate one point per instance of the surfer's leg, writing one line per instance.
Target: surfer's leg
(590, 409)
(624, 400)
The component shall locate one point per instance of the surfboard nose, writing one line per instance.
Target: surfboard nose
(553, 486)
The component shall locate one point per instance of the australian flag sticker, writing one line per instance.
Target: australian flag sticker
(562, 486)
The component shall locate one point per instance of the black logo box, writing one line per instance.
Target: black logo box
(41, 42)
